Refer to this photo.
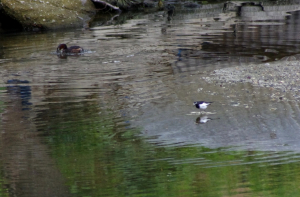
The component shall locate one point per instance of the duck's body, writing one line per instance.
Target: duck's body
(62, 48)
(202, 104)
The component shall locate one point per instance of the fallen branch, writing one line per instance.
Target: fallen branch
(110, 21)
(107, 5)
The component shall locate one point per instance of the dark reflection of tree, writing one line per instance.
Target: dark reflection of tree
(27, 167)
(20, 89)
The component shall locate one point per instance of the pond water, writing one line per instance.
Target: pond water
(119, 119)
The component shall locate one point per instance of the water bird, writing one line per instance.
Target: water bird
(170, 11)
(202, 104)
(62, 48)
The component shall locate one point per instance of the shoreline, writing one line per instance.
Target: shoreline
(283, 75)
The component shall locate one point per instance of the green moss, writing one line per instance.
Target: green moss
(49, 14)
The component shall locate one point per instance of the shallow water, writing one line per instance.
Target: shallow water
(119, 120)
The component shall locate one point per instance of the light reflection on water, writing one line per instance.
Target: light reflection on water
(120, 121)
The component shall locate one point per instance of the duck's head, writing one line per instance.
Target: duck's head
(62, 48)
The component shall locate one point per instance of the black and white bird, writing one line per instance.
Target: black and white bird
(202, 104)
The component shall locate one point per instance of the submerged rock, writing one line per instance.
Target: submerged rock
(49, 14)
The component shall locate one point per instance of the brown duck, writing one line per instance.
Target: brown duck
(62, 48)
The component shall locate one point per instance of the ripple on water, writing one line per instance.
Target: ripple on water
(122, 114)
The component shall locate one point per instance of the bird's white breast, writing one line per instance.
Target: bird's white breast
(203, 105)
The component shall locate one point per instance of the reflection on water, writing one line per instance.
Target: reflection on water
(120, 120)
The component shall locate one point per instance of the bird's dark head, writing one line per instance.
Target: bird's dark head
(62, 48)
(195, 103)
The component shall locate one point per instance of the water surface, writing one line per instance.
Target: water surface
(118, 120)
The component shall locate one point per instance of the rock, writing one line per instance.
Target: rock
(271, 51)
(289, 58)
(191, 5)
(49, 14)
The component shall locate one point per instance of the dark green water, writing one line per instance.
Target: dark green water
(119, 120)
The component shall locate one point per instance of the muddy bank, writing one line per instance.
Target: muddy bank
(283, 75)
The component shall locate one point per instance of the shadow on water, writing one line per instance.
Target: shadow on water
(120, 120)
